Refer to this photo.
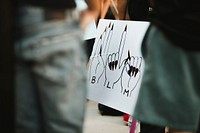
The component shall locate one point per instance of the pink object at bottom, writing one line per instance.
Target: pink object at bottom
(133, 126)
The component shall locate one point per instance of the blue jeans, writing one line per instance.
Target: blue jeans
(50, 74)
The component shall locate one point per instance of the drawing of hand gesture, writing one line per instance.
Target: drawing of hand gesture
(97, 63)
(114, 63)
(131, 74)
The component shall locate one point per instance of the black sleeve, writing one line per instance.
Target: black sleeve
(138, 10)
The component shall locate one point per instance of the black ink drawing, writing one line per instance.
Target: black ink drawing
(104, 64)
(97, 63)
(114, 65)
(132, 73)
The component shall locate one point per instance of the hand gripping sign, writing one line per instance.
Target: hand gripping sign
(116, 64)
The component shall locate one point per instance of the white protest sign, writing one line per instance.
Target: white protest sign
(116, 65)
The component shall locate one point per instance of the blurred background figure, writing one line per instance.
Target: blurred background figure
(50, 66)
(122, 7)
(170, 94)
(108, 9)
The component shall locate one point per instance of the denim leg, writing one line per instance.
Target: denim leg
(54, 85)
(27, 108)
(28, 119)
(61, 81)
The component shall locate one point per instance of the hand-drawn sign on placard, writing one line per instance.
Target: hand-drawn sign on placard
(115, 66)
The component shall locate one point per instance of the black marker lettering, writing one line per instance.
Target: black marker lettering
(93, 79)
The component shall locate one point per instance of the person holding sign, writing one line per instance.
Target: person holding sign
(170, 94)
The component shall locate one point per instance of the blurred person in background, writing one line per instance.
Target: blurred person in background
(50, 65)
(138, 10)
(170, 95)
